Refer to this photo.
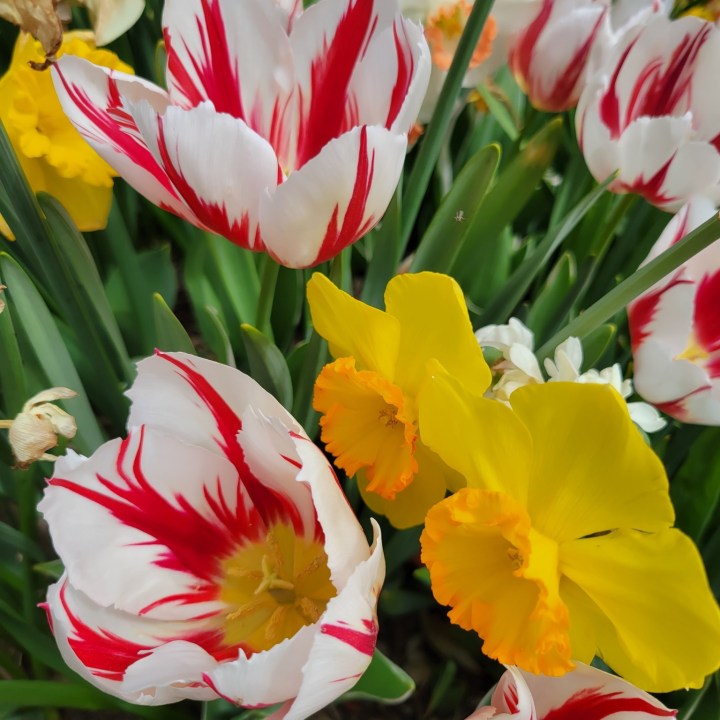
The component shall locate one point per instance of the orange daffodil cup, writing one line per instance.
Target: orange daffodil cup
(561, 546)
(210, 553)
(284, 131)
(368, 395)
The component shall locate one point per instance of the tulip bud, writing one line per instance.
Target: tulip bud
(35, 430)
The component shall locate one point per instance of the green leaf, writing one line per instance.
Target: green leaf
(695, 489)
(35, 321)
(383, 682)
(81, 266)
(551, 298)
(12, 538)
(645, 277)
(267, 364)
(39, 693)
(476, 264)
(313, 357)
(52, 569)
(595, 344)
(171, 335)
(506, 299)
(216, 336)
(457, 213)
(499, 111)
(12, 378)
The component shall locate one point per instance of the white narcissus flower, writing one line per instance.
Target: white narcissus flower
(285, 141)
(675, 328)
(651, 112)
(520, 367)
(211, 553)
(579, 695)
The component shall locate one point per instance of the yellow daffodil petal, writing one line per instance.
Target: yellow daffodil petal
(434, 323)
(353, 328)
(500, 578)
(481, 439)
(411, 504)
(593, 472)
(366, 424)
(653, 592)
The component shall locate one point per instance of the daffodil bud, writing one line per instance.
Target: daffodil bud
(35, 430)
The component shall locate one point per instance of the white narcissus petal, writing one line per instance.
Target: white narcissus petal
(96, 99)
(236, 55)
(144, 502)
(200, 150)
(344, 645)
(334, 199)
(646, 416)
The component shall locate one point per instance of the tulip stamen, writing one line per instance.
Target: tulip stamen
(270, 580)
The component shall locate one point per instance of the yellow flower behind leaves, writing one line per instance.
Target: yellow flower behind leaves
(368, 396)
(561, 545)
(53, 155)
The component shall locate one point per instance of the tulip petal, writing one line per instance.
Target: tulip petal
(99, 103)
(482, 439)
(103, 644)
(434, 323)
(202, 402)
(345, 643)
(329, 40)
(668, 566)
(237, 55)
(352, 328)
(593, 471)
(334, 199)
(145, 501)
(199, 150)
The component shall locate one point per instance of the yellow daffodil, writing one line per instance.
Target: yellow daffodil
(561, 545)
(368, 396)
(52, 154)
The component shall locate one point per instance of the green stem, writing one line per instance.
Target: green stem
(437, 129)
(268, 282)
(645, 277)
(27, 524)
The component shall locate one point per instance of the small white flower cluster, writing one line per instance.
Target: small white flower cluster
(520, 367)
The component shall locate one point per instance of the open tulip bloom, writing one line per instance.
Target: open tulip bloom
(285, 141)
(675, 328)
(650, 112)
(583, 694)
(562, 547)
(211, 552)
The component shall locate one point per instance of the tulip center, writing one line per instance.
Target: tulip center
(274, 587)
(694, 352)
(368, 425)
(445, 26)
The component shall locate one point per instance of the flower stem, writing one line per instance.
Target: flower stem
(434, 137)
(268, 282)
(642, 279)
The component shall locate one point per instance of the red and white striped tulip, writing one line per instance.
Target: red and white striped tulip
(283, 131)
(651, 112)
(550, 58)
(211, 553)
(581, 694)
(675, 328)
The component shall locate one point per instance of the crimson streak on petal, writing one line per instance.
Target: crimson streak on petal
(593, 704)
(353, 226)
(363, 642)
(272, 505)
